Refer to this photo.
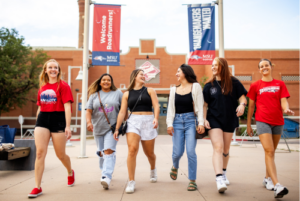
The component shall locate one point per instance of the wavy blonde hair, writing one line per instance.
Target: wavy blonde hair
(95, 86)
(132, 78)
(44, 78)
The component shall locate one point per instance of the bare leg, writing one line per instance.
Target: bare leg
(148, 147)
(41, 137)
(133, 140)
(59, 144)
(276, 139)
(266, 140)
(216, 136)
(227, 137)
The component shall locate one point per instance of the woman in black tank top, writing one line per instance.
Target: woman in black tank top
(142, 124)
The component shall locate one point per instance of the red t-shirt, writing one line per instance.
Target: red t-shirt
(267, 96)
(52, 99)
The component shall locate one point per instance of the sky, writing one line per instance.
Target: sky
(251, 24)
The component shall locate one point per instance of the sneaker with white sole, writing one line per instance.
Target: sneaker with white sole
(130, 187)
(268, 184)
(105, 181)
(225, 178)
(221, 184)
(280, 191)
(153, 176)
(35, 192)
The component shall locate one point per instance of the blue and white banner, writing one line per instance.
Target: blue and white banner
(201, 19)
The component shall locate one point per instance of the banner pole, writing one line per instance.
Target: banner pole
(84, 80)
(221, 29)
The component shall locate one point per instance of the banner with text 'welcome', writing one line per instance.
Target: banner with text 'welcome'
(201, 20)
(106, 35)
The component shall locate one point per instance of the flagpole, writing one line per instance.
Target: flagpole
(221, 28)
(85, 78)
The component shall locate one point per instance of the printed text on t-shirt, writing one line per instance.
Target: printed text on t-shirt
(48, 97)
(107, 109)
(272, 89)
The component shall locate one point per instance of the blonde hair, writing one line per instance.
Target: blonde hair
(132, 78)
(95, 86)
(44, 78)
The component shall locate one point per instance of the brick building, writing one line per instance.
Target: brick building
(244, 63)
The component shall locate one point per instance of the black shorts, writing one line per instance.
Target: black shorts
(55, 122)
(216, 124)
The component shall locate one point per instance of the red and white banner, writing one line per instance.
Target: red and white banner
(106, 35)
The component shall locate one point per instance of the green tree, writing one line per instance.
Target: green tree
(19, 70)
(202, 81)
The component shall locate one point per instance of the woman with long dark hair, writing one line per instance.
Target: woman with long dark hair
(104, 90)
(142, 124)
(53, 120)
(185, 101)
(224, 95)
(270, 98)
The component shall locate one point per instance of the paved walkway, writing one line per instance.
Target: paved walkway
(245, 171)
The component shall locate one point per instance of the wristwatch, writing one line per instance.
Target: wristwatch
(244, 104)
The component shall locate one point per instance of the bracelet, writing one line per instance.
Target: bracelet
(244, 104)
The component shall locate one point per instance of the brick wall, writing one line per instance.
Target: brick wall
(245, 62)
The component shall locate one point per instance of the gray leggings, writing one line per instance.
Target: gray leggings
(262, 128)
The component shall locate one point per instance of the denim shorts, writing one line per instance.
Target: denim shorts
(142, 125)
(262, 128)
(55, 122)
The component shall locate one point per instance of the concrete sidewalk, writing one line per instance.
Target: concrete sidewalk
(245, 172)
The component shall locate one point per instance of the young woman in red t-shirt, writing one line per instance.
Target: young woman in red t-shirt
(270, 98)
(53, 120)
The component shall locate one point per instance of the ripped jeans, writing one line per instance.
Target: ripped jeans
(106, 162)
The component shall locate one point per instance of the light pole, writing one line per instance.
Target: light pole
(75, 129)
(221, 28)
(85, 78)
(79, 77)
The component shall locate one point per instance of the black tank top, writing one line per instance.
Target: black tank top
(183, 103)
(143, 105)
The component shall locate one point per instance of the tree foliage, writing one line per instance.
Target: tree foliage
(19, 69)
(202, 81)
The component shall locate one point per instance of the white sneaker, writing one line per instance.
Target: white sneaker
(105, 181)
(221, 184)
(153, 176)
(280, 191)
(268, 184)
(225, 178)
(130, 187)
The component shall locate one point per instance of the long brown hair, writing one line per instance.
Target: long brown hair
(189, 73)
(224, 74)
(132, 78)
(95, 86)
(44, 78)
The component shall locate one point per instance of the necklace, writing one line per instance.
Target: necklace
(220, 87)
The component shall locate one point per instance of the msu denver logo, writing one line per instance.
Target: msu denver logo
(196, 57)
(100, 58)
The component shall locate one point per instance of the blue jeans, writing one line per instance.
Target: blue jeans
(184, 133)
(106, 162)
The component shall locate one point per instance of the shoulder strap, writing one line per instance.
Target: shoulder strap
(101, 105)
(139, 98)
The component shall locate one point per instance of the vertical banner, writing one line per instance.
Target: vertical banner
(106, 35)
(201, 19)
